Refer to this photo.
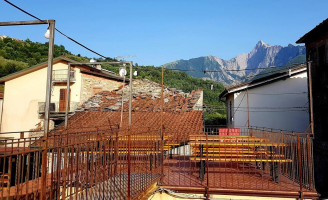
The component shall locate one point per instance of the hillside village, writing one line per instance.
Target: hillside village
(74, 127)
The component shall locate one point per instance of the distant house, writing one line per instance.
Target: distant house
(276, 99)
(25, 92)
(316, 42)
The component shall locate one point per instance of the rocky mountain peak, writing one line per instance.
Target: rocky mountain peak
(262, 56)
(262, 44)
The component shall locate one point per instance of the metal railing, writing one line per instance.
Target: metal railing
(93, 163)
(112, 163)
(55, 107)
(61, 75)
(242, 161)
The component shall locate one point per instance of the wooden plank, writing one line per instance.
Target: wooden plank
(241, 144)
(222, 139)
(230, 150)
(262, 156)
(240, 159)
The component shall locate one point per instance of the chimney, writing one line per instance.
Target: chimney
(98, 67)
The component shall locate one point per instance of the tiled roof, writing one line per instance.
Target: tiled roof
(177, 125)
(146, 97)
(181, 116)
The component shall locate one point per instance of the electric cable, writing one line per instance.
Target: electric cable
(73, 40)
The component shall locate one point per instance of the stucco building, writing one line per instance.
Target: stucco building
(277, 100)
(25, 92)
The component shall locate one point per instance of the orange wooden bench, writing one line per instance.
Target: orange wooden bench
(218, 148)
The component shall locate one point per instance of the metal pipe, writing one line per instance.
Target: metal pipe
(162, 133)
(299, 156)
(247, 110)
(129, 136)
(310, 96)
(250, 192)
(68, 97)
(130, 98)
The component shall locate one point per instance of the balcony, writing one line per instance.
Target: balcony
(60, 76)
(57, 109)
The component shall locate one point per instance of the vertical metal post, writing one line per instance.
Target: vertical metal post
(49, 77)
(129, 136)
(309, 161)
(207, 170)
(130, 98)
(310, 96)
(68, 98)
(247, 110)
(300, 165)
(47, 111)
(162, 132)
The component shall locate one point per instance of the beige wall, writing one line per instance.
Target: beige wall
(21, 98)
(22, 95)
(89, 82)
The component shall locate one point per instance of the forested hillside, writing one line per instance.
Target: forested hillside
(16, 55)
(186, 83)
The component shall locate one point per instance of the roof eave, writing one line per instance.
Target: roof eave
(32, 69)
(245, 86)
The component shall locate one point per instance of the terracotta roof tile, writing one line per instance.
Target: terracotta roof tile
(180, 119)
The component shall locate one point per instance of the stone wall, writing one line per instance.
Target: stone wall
(92, 83)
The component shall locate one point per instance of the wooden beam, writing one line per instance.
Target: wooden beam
(34, 22)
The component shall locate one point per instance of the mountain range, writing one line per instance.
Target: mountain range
(242, 66)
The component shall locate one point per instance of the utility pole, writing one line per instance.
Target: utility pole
(130, 101)
(162, 128)
(129, 136)
(68, 96)
(49, 77)
(47, 111)
(51, 28)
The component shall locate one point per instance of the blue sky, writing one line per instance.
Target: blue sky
(161, 31)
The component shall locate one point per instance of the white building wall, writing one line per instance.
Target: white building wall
(277, 105)
(23, 94)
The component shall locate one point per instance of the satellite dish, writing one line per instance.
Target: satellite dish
(135, 73)
(122, 72)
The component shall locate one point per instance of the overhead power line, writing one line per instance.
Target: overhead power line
(238, 70)
(263, 107)
(73, 40)
(287, 93)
